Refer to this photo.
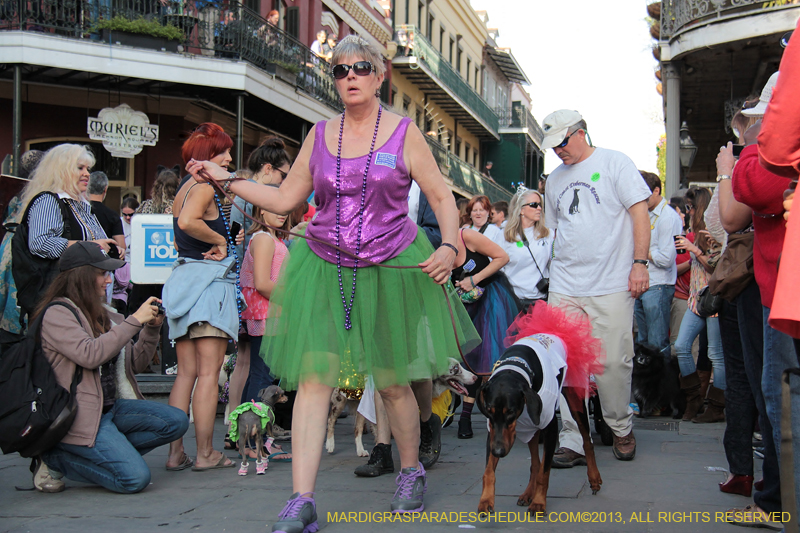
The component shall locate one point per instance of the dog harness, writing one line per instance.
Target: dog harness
(553, 358)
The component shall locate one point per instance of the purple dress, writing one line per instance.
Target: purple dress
(387, 229)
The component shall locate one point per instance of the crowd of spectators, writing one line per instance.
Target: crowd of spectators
(654, 274)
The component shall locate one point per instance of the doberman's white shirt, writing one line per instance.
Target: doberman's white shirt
(553, 357)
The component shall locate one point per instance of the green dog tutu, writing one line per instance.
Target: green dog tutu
(402, 329)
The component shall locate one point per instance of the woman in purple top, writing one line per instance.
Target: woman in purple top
(334, 314)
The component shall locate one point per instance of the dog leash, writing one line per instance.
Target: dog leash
(220, 189)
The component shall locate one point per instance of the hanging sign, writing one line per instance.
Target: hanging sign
(122, 130)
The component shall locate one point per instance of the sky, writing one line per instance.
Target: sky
(591, 56)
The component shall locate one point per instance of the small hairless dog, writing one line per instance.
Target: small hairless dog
(251, 427)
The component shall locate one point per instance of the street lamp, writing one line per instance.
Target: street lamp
(688, 151)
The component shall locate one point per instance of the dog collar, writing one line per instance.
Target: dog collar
(524, 370)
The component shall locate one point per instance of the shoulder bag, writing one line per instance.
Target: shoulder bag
(734, 271)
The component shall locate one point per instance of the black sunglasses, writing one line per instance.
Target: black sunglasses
(128, 215)
(361, 68)
(533, 205)
(566, 139)
(282, 173)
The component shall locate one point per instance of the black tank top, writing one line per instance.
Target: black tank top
(473, 263)
(190, 247)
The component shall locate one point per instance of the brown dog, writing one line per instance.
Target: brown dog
(520, 399)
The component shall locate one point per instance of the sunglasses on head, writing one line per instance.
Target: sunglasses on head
(361, 68)
(566, 139)
(534, 205)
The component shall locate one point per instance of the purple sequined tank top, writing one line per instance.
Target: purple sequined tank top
(387, 229)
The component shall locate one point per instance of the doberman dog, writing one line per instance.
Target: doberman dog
(520, 398)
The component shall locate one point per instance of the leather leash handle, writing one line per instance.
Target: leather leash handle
(222, 191)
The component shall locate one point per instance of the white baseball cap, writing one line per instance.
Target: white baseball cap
(556, 125)
(763, 100)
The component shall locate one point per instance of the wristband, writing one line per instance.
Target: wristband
(226, 186)
(448, 245)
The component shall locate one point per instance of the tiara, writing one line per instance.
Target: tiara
(521, 189)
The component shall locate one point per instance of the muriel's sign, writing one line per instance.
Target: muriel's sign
(122, 130)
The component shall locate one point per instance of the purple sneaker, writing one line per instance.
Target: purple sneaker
(299, 515)
(411, 485)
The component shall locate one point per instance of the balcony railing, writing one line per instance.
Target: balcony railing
(233, 32)
(410, 42)
(520, 117)
(463, 175)
(677, 15)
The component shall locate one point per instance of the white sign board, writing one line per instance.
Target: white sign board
(122, 130)
(152, 248)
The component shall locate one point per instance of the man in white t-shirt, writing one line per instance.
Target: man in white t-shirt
(597, 206)
(652, 309)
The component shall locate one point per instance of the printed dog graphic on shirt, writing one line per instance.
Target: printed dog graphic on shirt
(573, 208)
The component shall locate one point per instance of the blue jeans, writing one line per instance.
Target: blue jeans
(779, 355)
(652, 311)
(691, 326)
(259, 377)
(129, 430)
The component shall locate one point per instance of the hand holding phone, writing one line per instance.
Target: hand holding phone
(235, 229)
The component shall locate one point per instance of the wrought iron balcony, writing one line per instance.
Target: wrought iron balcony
(678, 15)
(519, 117)
(424, 65)
(463, 175)
(234, 32)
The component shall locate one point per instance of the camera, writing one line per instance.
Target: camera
(543, 285)
(113, 251)
(159, 307)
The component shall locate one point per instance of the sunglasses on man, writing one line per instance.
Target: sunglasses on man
(565, 142)
(361, 68)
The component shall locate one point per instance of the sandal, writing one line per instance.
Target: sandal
(185, 463)
(220, 464)
(277, 457)
(229, 444)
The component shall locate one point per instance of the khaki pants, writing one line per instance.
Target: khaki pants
(611, 317)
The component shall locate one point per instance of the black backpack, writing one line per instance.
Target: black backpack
(35, 411)
(33, 274)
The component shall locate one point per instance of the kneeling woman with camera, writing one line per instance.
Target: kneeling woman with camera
(114, 425)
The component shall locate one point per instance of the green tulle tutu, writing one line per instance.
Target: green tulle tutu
(402, 328)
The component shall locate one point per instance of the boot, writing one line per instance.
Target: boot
(430, 441)
(716, 407)
(690, 385)
(380, 462)
(705, 380)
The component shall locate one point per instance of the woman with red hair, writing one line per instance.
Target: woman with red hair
(478, 217)
(200, 299)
